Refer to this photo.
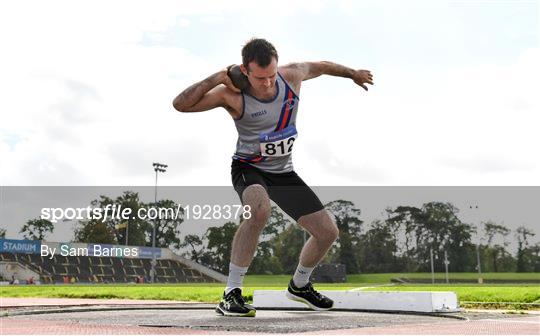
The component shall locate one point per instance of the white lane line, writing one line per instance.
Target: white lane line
(362, 288)
(511, 321)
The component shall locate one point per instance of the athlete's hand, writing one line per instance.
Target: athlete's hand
(363, 77)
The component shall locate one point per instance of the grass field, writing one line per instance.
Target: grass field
(522, 296)
(387, 277)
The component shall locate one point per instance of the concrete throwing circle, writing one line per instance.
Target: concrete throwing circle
(205, 321)
(266, 321)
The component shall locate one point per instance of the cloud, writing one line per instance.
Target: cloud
(486, 164)
(89, 89)
(417, 128)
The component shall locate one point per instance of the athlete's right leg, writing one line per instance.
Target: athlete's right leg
(248, 183)
(243, 248)
(246, 238)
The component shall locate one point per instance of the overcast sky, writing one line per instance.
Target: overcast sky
(87, 86)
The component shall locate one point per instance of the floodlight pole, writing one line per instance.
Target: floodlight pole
(446, 262)
(480, 280)
(478, 264)
(161, 168)
(432, 268)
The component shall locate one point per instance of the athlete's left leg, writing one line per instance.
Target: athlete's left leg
(297, 199)
(323, 232)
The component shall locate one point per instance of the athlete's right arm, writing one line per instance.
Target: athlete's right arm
(206, 94)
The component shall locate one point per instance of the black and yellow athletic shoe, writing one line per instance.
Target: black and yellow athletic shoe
(309, 296)
(233, 304)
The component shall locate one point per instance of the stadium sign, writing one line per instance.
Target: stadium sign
(20, 246)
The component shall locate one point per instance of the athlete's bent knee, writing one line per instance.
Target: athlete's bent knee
(259, 217)
(329, 231)
(257, 198)
(321, 226)
(333, 232)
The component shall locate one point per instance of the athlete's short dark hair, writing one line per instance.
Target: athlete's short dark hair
(259, 50)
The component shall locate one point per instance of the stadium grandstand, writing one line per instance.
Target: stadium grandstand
(52, 262)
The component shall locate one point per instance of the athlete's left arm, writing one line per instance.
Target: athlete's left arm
(298, 72)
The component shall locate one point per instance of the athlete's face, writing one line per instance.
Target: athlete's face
(263, 80)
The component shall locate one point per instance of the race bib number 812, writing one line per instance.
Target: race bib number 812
(278, 143)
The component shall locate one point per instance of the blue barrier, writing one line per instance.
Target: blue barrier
(20, 246)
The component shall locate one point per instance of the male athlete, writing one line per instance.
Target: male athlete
(265, 116)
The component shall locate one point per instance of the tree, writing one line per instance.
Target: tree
(436, 224)
(94, 231)
(135, 230)
(167, 225)
(492, 230)
(36, 229)
(378, 249)
(461, 251)
(265, 260)
(535, 254)
(287, 246)
(219, 246)
(495, 251)
(195, 244)
(216, 253)
(404, 221)
(111, 229)
(524, 254)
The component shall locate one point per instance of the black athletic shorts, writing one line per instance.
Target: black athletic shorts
(287, 190)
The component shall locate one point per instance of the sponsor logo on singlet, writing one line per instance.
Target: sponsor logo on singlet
(258, 113)
(290, 103)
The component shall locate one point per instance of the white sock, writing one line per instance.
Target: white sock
(236, 277)
(301, 276)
